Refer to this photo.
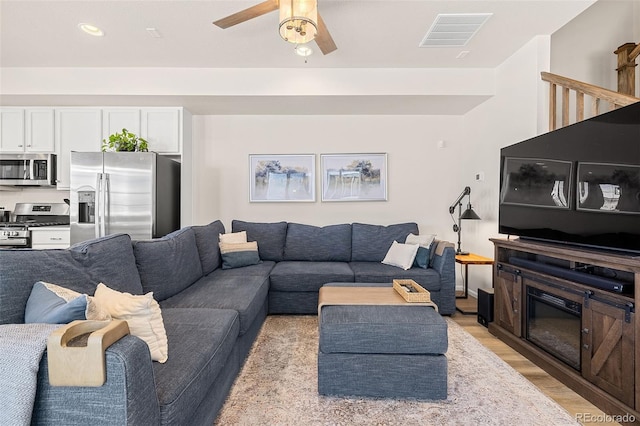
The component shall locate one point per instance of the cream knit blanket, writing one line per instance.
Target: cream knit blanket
(21, 349)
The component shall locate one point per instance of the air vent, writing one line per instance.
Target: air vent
(453, 29)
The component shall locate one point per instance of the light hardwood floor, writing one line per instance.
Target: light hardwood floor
(577, 406)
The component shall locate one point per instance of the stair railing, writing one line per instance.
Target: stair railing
(597, 94)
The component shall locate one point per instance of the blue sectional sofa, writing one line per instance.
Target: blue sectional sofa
(211, 315)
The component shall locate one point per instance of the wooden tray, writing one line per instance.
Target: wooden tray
(418, 294)
(75, 352)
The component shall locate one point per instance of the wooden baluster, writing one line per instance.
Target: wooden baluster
(595, 107)
(579, 106)
(565, 106)
(552, 106)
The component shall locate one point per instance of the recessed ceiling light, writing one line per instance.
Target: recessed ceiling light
(154, 33)
(91, 29)
(303, 50)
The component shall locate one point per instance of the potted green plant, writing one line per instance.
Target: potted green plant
(125, 141)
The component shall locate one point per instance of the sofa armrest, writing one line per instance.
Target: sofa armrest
(128, 397)
(444, 262)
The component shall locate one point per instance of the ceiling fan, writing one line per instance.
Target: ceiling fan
(300, 21)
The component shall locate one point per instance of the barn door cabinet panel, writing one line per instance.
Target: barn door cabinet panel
(602, 331)
(508, 299)
(607, 348)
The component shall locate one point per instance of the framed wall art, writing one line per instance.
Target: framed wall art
(282, 178)
(354, 177)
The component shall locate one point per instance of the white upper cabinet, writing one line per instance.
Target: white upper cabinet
(40, 133)
(116, 119)
(77, 129)
(11, 130)
(162, 129)
(27, 130)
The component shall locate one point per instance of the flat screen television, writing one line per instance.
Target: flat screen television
(576, 185)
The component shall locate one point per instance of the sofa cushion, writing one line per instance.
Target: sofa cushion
(319, 244)
(244, 294)
(201, 342)
(370, 243)
(425, 242)
(308, 276)
(401, 255)
(169, 264)
(379, 273)
(270, 237)
(109, 259)
(207, 243)
(48, 305)
(382, 330)
(142, 314)
(52, 304)
(233, 237)
(237, 255)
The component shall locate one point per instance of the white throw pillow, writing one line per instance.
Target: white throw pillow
(143, 315)
(234, 237)
(401, 255)
(422, 240)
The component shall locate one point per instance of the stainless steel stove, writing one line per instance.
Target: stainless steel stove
(16, 233)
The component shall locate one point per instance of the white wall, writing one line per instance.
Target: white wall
(420, 186)
(9, 196)
(583, 48)
(509, 117)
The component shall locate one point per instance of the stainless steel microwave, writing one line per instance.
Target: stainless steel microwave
(28, 169)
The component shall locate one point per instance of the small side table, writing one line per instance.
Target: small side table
(466, 260)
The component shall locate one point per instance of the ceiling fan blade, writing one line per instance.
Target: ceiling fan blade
(323, 38)
(249, 13)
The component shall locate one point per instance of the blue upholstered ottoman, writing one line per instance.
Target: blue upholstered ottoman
(382, 351)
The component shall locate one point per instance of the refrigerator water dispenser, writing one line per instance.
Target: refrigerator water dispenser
(86, 206)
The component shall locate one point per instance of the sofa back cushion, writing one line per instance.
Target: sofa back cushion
(169, 264)
(207, 242)
(81, 268)
(270, 237)
(319, 244)
(370, 243)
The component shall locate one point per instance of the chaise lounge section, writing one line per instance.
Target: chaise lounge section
(211, 315)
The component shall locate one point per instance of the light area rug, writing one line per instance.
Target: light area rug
(278, 386)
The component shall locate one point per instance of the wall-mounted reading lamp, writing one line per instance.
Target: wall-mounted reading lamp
(467, 214)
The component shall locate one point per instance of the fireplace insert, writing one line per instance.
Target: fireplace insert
(554, 325)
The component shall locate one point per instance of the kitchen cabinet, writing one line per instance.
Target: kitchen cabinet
(116, 119)
(27, 130)
(77, 129)
(11, 130)
(50, 237)
(39, 130)
(162, 129)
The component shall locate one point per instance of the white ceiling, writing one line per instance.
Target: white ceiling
(368, 33)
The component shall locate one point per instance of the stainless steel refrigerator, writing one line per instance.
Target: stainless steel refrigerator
(135, 193)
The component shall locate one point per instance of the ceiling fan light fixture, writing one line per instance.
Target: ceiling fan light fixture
(304, 51)
(298, 20)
